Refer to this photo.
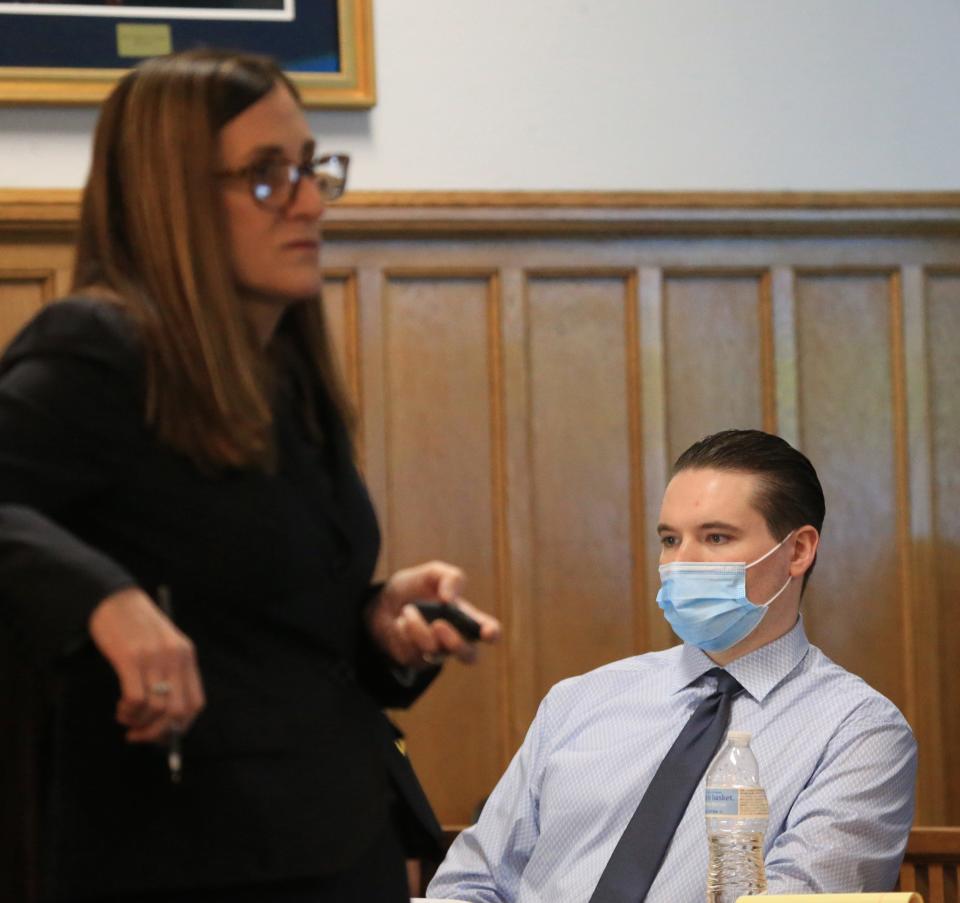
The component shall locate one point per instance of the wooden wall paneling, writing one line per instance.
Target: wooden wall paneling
(786, 406)
(943, 362)
(767, 350)
(519, 603)
(640, 531)
(654, 451)
(501, 601)
(580, 452)
(39, 252)
(22, 294)
(848, 319)
(714, 376)
(342, 316)
(852, 605)
(901, 488)
(32, 273)
(371, 429)
(922, 605)
(440, 408)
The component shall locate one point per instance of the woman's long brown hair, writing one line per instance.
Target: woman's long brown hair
(152, 234)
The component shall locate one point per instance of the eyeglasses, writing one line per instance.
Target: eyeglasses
(274, 183)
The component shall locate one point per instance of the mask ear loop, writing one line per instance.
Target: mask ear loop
(777, 594)
(765, 556)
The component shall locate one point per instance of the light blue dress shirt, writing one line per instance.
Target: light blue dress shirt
(837, 759)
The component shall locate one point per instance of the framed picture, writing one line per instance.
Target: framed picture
(73, 51)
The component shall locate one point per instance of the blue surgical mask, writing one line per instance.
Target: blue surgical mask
(706, 601)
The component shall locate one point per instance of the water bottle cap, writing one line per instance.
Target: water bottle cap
(739, 738)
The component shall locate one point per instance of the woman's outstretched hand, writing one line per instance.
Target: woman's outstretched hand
(401, 631)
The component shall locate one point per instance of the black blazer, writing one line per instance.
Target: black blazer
(290, 770)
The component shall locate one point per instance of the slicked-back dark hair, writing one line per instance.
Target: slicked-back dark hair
(789, 495)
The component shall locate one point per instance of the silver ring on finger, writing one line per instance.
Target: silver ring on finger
(161, 688)
(433, 658)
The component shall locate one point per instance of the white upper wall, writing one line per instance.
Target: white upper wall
(623, 95)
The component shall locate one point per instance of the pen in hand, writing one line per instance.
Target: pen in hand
(174, 750)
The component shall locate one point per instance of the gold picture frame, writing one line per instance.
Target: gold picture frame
(348, 84)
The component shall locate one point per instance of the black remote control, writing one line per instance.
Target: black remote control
(465, 625)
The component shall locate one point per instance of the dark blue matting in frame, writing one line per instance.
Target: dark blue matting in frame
(309, 43)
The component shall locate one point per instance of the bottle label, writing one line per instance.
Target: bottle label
(746, 802)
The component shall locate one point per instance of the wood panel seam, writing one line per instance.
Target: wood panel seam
(768, 390)
(634, 395)
(901, 471)
(500, 489)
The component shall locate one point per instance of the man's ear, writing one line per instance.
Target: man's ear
(805, 543)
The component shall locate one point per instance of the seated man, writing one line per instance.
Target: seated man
(837, 759)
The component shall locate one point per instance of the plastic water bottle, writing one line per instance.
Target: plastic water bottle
(737, 812)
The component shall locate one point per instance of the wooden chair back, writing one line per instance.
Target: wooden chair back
(931, 866)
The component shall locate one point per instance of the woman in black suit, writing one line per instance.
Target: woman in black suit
(174, 432)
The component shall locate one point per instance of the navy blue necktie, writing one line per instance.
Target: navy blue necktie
(639, 853)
